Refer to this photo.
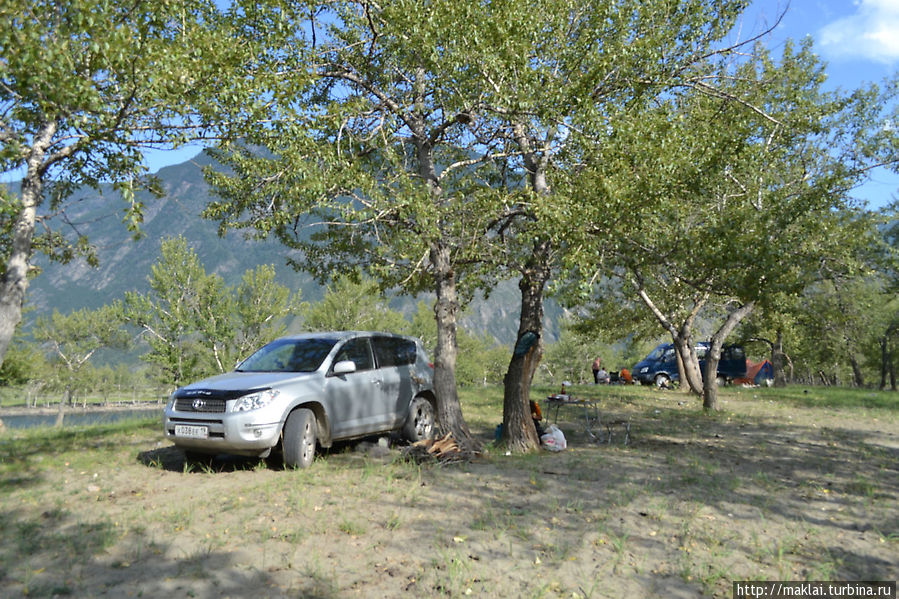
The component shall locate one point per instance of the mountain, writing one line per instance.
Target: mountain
(125, 263)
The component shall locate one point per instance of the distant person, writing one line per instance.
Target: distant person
(537, 418)
(626, 376)
(602, 377)
(597, 366)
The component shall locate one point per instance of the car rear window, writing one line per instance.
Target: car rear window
(734, 352)
(289, 355)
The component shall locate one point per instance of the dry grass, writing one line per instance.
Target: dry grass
(775, 486)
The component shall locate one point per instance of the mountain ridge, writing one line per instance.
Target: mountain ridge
(124, 263)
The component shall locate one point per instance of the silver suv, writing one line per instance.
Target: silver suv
(306, 389)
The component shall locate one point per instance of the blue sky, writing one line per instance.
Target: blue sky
(857, 39)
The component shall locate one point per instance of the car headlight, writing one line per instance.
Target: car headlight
(254, 401)
(644, 369)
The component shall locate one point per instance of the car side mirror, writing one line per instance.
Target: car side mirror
(344, 367)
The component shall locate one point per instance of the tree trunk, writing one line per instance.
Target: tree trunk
(691, 376)
(446, 308)
(886, 356)
(14, 284)
(682, 374)
(681, 337)
(892, 374)
(61, 412)
(519, 433)
(710, 380)
(857, 375)
(449, 409)
(777, 360)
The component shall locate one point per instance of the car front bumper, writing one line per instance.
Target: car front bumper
(241, 433)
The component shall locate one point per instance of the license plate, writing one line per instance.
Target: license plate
(192, 432)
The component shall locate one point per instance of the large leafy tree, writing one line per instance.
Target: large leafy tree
(85, 88)
(843, 321)
(195, 324)
(372, 147)
(736, 192)
(73, 339)
(24, 363)
(353, 305)
(552, 75)
(428, 132)
(889, 335)
(775, 326)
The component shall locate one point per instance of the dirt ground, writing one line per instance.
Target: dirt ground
(689, 505)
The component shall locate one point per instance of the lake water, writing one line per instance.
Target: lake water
(80, 418)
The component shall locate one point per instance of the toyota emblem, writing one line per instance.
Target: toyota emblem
(198, 404)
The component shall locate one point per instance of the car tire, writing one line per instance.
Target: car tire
(662, 380)
(299, 439)
(420, 423)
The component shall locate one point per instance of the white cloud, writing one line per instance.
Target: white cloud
(871, 33)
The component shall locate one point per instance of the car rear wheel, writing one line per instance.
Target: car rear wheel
(420, 423)
(299, 439)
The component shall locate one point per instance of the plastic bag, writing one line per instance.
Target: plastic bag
(553, 439)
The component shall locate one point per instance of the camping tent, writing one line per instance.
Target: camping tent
(756, 374)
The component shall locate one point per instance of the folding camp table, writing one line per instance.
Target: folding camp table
(590, 413)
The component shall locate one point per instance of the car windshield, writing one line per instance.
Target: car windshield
(289, 355)
(657, 353)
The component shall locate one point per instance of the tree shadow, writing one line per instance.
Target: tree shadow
(788, 497)
(54, 554)
(173, 459)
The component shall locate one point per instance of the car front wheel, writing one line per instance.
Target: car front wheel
(299, 439)
(420, 424)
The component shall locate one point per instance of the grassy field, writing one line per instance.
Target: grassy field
(795, 484)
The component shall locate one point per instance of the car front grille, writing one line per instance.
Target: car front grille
(203, 405)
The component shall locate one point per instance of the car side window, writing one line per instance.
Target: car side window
(394, 351)
(357, 351)
(384, 352)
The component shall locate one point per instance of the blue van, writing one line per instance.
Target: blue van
(660, 366)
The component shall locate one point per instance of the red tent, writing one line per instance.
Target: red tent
(756, 373)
